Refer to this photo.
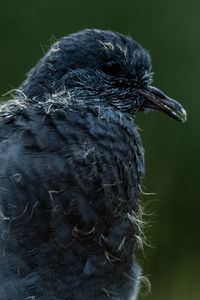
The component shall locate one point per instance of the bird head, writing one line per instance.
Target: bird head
(99, 66)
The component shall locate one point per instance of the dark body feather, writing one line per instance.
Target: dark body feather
(70, 179)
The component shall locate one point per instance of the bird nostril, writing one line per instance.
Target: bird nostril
(155, 91)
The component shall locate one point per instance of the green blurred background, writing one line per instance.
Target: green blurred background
(170, 31)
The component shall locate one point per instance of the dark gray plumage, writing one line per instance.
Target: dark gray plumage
(71, 168)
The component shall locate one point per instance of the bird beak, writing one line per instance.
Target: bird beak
(157, 100)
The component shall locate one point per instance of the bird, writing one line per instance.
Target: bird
(72, 165)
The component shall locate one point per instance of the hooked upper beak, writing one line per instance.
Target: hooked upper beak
(156, 99)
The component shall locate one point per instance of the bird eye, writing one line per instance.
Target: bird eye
(111, 67)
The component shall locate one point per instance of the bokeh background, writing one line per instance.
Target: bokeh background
(170, 30)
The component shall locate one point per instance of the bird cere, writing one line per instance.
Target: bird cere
(72, 163)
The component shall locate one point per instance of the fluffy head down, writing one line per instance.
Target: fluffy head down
(94, 64)
(100, 67)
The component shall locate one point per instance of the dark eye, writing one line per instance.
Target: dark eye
(111, 67)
